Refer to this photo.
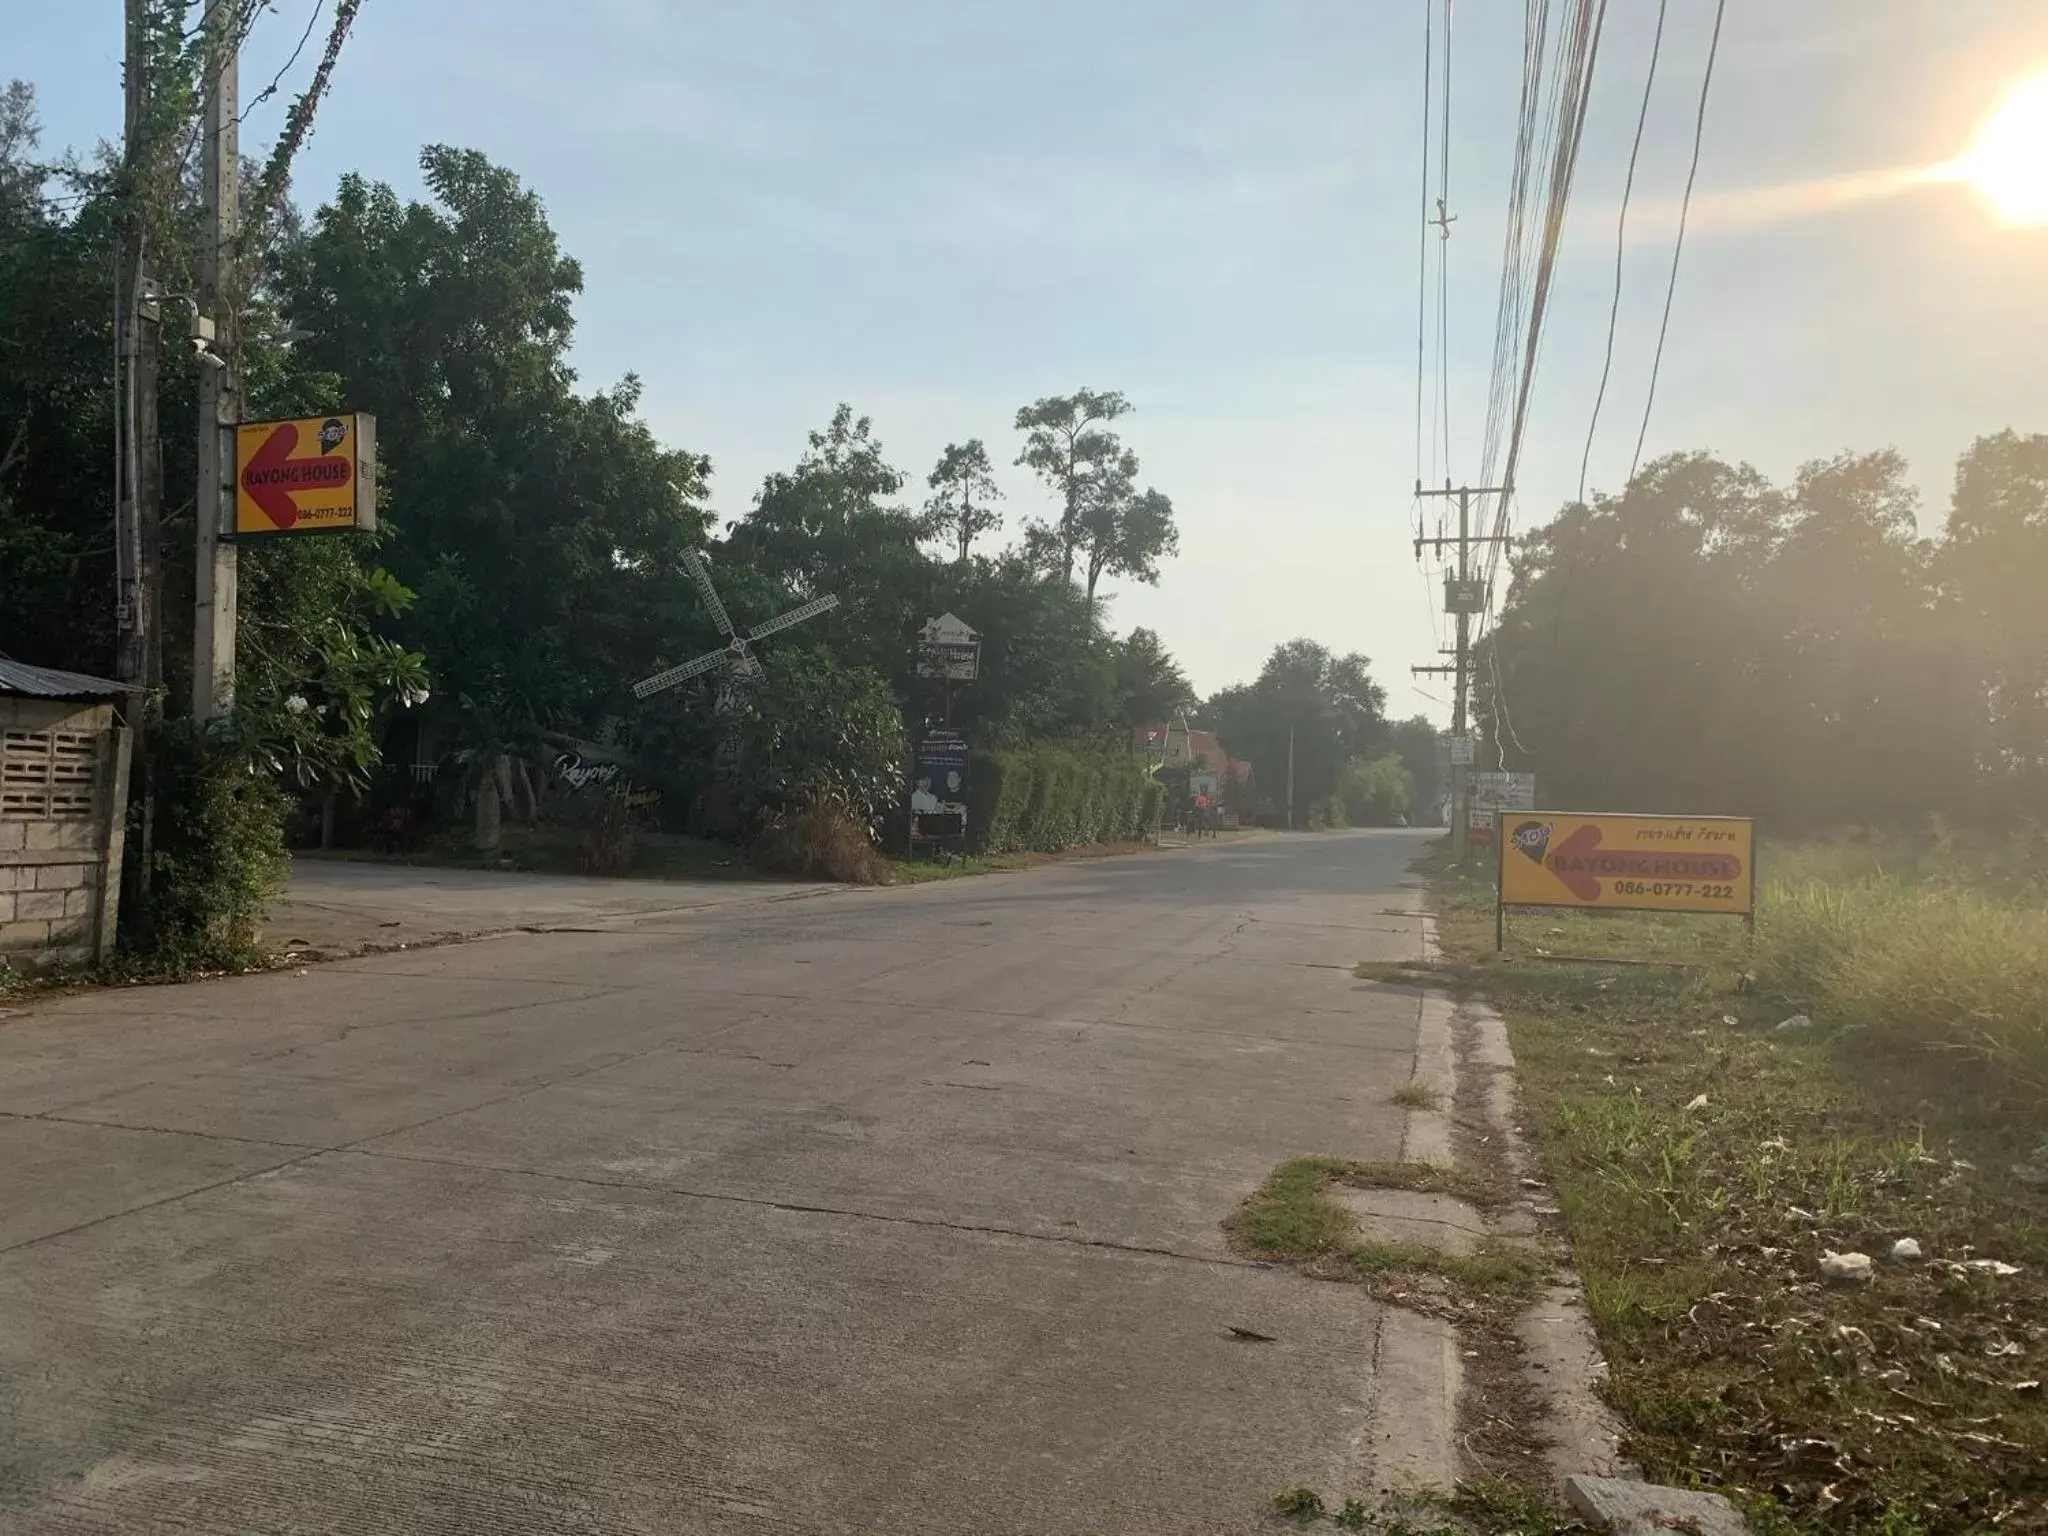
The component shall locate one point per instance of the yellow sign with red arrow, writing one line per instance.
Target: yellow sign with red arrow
(316, 474)
(1644, 863)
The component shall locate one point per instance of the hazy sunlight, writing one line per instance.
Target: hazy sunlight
(2008, 160)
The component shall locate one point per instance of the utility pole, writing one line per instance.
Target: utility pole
(1290, 773)
(138, 463)
(1463, 597)
(138, 512)
(215, 580)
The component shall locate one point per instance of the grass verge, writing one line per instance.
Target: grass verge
(1293, 1218)
(1705, 1159)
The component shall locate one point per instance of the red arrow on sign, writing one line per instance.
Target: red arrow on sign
(272, 475)
(1566, 862)
(1579, 865)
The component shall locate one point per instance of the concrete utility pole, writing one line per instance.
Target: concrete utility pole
(1463, 597)
(138, 456)
(1290, 774)
(215, 583)
(138, 511)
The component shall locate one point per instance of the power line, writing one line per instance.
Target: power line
(277, 79)
(1422, 239)
(1571, 98)
(1628, 186)
(1444, 221)
(1699, 127)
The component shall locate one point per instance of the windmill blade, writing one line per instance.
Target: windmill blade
(674, 675)
(694, 563)
(810, 610)
(747, 665)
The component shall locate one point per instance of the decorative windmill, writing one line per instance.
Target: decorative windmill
(737, 654)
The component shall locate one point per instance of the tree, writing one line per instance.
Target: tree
(1308, 709)
(1418, 743)
(540, 527)
(1996, 623)
(1374, 791)
(1150, 685)
(831, 525)
(1122, 531)
(1066, 447)
(963, 485)
(811, 725)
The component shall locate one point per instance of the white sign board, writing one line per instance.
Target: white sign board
(948, 648)
(1492, 793)
(1461, 751)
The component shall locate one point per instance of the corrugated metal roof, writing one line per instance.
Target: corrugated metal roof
(49, 683)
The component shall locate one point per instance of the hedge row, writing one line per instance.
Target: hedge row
(1046, 798)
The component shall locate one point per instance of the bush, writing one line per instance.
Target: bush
(218, 859)
(1374, 790)
(1045, 798)
(613, 836)
(1326, 813)
(820, 840)
(811, 727)
(1935, 969)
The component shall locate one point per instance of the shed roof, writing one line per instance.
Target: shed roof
(50, 683)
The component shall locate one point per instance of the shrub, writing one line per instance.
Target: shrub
(1327, 812)
(1045, 798)
(810, 727)
(1375, 790)
(613, 836)
(820, 840)
(218, 857)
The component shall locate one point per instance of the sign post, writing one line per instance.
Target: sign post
(1625, 864)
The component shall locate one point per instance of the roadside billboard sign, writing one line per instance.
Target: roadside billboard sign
(316, 474)
(1489, 796)
(1628, 863)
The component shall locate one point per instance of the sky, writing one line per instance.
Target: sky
(939, 211)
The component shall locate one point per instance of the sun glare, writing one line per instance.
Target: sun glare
(2008, 160)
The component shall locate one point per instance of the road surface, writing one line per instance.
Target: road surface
(872, 1211)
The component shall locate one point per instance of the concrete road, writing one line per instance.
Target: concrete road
(878, 1211)
(340, 907)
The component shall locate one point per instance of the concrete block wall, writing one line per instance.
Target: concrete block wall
(53, 872)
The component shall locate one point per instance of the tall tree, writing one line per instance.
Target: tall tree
(1123, 531)
(1309, 708)
(963, 489)
(1419, 745)
(1066, 445)
(832, 524)
(1991, 567)
(539, 527)
(1150, 685)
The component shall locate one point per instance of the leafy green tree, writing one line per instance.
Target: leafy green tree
(1309, 708)
(1991, 567)
(811, 724)
(1375, 791)
(539, 527)
(1123, 531)
(832, 525)
(1150, 685)
(1066, 445)
(963, 489)
(1419, 745)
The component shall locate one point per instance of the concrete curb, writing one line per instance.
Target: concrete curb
(1427, 1137)
(1565, 1362)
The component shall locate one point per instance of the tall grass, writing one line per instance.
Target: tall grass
(1936, 951)
(820, 840)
